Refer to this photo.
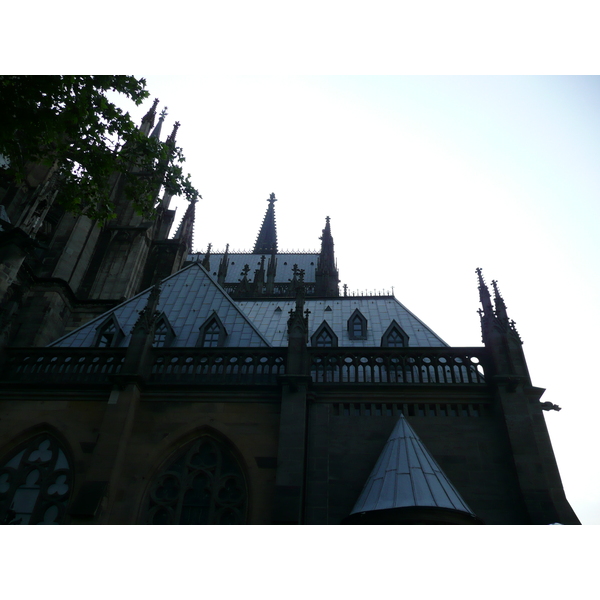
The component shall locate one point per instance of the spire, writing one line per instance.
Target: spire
(501, 314)
(148, 119)
(484, 294)
(266, 242)
(499, 303)
(171, 139)
(156, 132)
(326, 274)
(223, 265)
(408, 486)
(185, 231)
(206, 259)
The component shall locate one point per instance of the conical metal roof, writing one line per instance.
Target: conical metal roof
(406, 475)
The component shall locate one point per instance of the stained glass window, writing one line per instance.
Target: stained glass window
(204, 485)
(35, 484)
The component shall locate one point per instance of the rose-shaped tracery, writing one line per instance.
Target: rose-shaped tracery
(35, 483)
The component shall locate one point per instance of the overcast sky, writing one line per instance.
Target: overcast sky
(425, 179)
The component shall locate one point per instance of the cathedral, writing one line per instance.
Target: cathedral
(144, 383)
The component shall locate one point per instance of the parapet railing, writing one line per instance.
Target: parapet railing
(399, 365)
(218, 365)
(464, 366)
(63, 365)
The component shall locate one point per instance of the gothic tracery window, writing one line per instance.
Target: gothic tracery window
(394, 339)
(109, 333)
(203, 485)
(394, 336)
(163, 333)
(324, 337)
(35, 483)
(212, 333)
(357, 326)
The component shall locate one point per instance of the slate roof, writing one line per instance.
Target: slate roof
(188, 298)
(407, 475)
(379, 312)
(285, 264)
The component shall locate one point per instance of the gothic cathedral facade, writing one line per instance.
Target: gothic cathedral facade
(143, 383)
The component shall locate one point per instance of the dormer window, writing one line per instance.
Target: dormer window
(109, 334)
(394, 339)
(394, 336)
(324, 337)
(212, 333)
(163, 333)
(357, 326)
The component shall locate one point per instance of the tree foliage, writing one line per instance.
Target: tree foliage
(70, 122)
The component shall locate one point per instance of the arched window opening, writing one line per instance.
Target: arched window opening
(394, 336)
(357, 326)
(394, 339)
(160, 335)
(109, 334)
(212, 333)
(324, 337)
(204, 485)
(35, 483)
(163, 333)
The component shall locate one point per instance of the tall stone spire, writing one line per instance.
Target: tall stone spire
(223, 266)
(326, 274)
(266, 242)
(171, 139)
(148, 119)
(156, 131)
(185, 231)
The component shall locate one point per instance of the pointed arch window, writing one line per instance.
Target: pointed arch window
(163, 333)
(109, 333)
(394, 336)
(35, 483)
(204, 485)
(324, 337)
(357, 326)
(212, 333)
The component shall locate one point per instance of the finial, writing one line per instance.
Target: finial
(163, 112)
(272, 198)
